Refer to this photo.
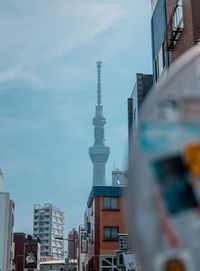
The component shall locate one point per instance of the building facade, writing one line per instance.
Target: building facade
(82, 249)
(6, 231)
(19, 240)
(106, 218)
(99, 153)
(158, 27)
(183, 26)
(48, 224)
(174, 29)
(32, 254)
(72, 244)
(142, 86)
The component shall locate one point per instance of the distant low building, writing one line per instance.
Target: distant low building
(72, 249)
(19, 241)
(27, 252)
(82, 249)
(32, 254)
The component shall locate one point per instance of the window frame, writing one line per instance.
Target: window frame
(177, 21)
(111, 228)
(110, 205)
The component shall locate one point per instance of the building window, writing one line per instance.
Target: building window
(134, 118)
(178, 17)
(111, 233)
(160, 61)
(110, 203)
(175, 26)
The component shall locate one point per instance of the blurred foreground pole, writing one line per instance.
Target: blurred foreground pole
(164, 172)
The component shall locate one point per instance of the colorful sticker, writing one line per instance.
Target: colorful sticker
(173, 179)
(166, 137)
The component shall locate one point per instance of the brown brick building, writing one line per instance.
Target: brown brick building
(72, 244)
(183, 26)
(175, 27)
(106, 218)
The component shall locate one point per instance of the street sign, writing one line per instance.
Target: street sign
(164, 172)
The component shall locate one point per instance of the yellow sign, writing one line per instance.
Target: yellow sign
(174, 265)
(192, 158)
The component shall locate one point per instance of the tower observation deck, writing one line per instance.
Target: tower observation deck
(99, 152)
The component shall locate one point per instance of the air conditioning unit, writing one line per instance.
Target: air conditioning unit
(123, 241)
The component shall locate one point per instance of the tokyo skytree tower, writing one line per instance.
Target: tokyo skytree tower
(99, 152)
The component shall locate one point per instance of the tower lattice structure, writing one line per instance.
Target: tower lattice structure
(99, 153)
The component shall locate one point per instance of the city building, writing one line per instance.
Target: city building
(27, 252)
(99, 153)
(54, 265)
(6, 229)
(174, 29)
(106, 218)
(48, 224)
(32, 254)
(19, 241)
(82, 249)
(182, 30)
(72, 244)
(119, 177)
(142, 86)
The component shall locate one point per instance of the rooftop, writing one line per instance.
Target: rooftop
(113, 191)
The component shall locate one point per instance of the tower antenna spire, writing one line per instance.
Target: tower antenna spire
(98, 82)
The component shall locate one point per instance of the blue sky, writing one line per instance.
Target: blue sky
(48, 55)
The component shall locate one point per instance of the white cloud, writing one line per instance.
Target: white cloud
(33, 32)
(18, 72)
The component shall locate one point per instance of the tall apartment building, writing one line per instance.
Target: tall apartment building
(48, 224)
